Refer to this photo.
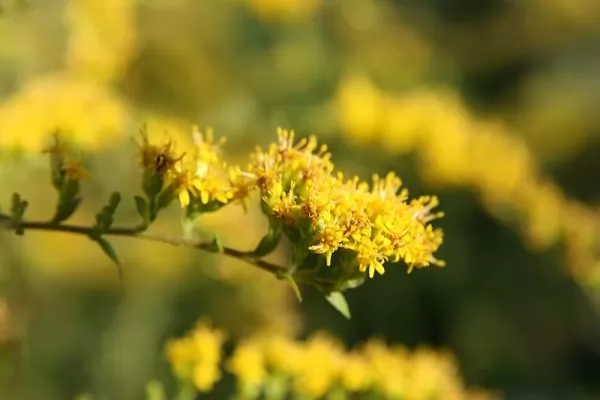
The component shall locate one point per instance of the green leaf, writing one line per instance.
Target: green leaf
(264, 207)
(104, 219)
(143, 208)
(66, 209)
(216, 246)
(338, 301)
(15, 200)
(270, 241)
(69, 190)
(286, 276)
(110, 252)
(152, 183)
(114, 201)
(196, 208)
(17, 211)
(165, 198)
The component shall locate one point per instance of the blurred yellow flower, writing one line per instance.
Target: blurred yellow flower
(456, 148)
(248, 364)
(387, 368)
(198, 356)
(101, 37)
(84, 112)
(319, 365)
(359, 107)
(403, 124)
(282, 353)
(355, 374)
(283, 10)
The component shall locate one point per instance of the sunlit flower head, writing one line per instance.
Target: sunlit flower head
(198, 176)
(343, 216)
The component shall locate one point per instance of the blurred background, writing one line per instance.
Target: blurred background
(490, 104)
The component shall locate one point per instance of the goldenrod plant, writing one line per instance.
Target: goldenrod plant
(457, 149)
(492, 97)
(275, 367)
(341, 231)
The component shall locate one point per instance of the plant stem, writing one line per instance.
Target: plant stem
(5, 223)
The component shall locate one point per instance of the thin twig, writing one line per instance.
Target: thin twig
(5, 223)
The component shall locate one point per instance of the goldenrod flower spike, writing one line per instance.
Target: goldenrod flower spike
(318, 367)
(341, 230)
(364, 225)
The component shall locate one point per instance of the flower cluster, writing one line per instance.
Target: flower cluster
(78, 99)
(455, 148)
(334, 216)
(82, 110)
(340, 231)
(101, 38)
(277, 366)
(196, 358)
(343, 228)
(201, 179)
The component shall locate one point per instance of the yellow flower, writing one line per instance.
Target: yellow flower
(74, 171)
(388, 369)
(160, 158)
(83, 111)
(248, 364)
(283, 355)
(300, 187)
(242, 185)
(359, 108)
(197, 356)
(212, 173)
(355, 374)
(200, 174)
(184, 181)
(101, 37)
(205, 375)
(320, 366)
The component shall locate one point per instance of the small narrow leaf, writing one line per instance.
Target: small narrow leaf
(197, 208)
(17, 211)
(290, 279)
(114, 201)
(105, 218)
(66, 209)
(338, 301)
(152, 183)
(143, 209)
(270, 241)
(110, 252)
(19, 230)
(15, 203)
(165, 198)
(69, 190)
(216, 246)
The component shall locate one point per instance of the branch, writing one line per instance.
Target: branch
(5, 223)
